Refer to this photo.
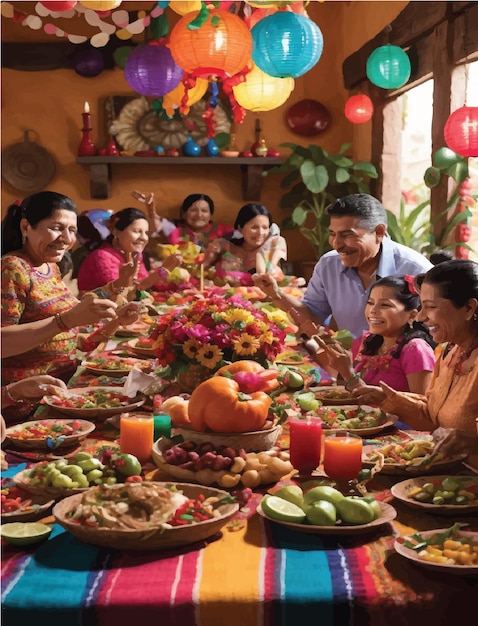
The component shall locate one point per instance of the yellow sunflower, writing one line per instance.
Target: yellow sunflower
(209, 355)
(191, 348)
(267, 337)
(246, 345)
(238, 315)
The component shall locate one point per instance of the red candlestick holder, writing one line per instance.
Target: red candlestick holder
(86, 147)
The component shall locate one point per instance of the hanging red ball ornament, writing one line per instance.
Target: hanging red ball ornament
(308, 117)
(461, 131)
(359, 109)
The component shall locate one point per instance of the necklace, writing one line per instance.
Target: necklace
(464, 355)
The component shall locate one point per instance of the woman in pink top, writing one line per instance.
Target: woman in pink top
(119, 262)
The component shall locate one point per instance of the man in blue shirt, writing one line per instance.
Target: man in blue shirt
(362, 253)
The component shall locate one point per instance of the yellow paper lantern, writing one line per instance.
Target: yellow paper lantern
(261, 92)
(101, 5)
(173, 99)
(185, 6)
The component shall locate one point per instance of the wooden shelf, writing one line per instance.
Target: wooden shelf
(252, 169)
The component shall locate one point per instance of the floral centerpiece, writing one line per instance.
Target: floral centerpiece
(213, 330)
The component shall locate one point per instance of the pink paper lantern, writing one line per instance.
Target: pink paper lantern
(461, 131)
(359, 109)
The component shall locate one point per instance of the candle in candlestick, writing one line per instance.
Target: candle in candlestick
(86, 117)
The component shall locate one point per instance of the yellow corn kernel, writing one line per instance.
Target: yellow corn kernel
(435, 551)
(452, 554)
(451, 544)
(414, 491)
(464, 559)
(433, 558)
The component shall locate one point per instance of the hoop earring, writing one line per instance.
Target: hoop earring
(474, 317)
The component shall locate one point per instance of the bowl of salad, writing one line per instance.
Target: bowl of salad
(94, 403)
(49, 434)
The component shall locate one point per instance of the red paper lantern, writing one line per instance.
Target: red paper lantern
(221, 46)
(59, 6)
(359, 109)
(461, 131)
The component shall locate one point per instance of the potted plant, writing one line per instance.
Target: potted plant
(314, 178)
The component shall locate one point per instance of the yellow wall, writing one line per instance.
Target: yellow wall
(51, 103)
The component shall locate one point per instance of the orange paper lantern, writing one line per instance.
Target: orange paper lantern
(359, 109)
(221, 46)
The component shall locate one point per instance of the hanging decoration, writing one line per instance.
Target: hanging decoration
(101, 5)
(261, 92)
(59, 6)
(183, 7)
(286, 44)
(388, 67)
(151, 70)
(461, 131)
(308, 117)
(89, 62)
(174, 99)
(359, 109)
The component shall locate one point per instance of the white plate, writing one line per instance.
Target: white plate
(61, 441)
(388, 514)
(141, 350)
(411, 555)
(99, 413)
(401, 490)
(142, 364)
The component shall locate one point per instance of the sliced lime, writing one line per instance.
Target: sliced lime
(291, 493)
(24, 533)
(283, 510)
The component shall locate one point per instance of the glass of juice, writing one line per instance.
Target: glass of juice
(342, 455)
(136, 435)
(305, 444)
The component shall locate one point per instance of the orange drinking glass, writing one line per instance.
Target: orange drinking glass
(342, 455)
(136, 435)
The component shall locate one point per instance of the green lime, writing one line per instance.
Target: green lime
(323, 492)
(292, 493)
(377, 510)
(354, 510)
(321, 513)
(283, 510)
(295, 380)
(24, 533)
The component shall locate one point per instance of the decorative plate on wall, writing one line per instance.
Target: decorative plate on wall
(27, 166)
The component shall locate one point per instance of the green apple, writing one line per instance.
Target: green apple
(323, 492)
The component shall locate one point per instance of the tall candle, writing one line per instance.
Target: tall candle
(305, 444)
(342, 455)
(86, 117)
(136, 435)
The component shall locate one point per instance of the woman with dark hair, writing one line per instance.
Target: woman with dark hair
(397, 350)
(257, 250)
(449, 298)
(40, 315)
(197, 227)
(119, 263)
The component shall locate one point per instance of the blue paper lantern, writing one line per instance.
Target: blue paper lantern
(388, 67)
(152, 71)
(286, 44)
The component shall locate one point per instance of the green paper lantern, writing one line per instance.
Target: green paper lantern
(388, 67)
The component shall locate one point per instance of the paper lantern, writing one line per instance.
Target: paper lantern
(308, 117)
(388, 67)
(183, 7)
(101, 5)
(461, 131)
(89, 62)
(59, 6)
(174, 98)
(359, 109)
(261, 92)
(286, 44)
(151, 70)
(220, 47)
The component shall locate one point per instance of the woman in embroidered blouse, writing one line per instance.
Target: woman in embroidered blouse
(257, 250)
(397, 350)
(196, 212)
(449, 297)
(119, 261)
(40, 315)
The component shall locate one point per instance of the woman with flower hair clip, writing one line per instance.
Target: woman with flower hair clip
(397, 350)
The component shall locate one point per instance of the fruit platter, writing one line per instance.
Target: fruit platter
(146, 516)
(67, 476)
(409, 456)
(208, 464)
(115, 365)
(51, 434)
(95, 403)
(452, 550)
(324, 510)
(443, 495)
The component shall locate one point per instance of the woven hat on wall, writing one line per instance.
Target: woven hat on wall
(26, 166)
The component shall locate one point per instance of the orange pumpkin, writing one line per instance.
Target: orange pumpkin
(218, 404)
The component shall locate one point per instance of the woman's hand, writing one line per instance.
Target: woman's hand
(129, 313)
(451, 441)
(339, 358)
(128, 273)
(172, 261)
(368, 394)
(213, 250)
(267, 283)
(89, 310)
(33, 389)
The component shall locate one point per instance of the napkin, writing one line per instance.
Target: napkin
(137, 381)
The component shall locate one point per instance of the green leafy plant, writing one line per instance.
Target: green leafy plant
(414, 228)
(314, 178)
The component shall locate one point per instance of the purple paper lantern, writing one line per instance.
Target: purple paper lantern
(152, 71)
(89, 62)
